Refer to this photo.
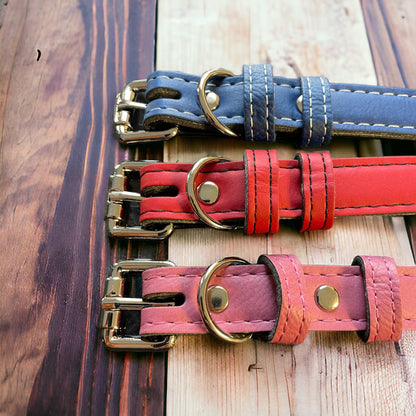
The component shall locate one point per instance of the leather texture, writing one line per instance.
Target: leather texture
(258, 106)
(313, 189)
(276, 298)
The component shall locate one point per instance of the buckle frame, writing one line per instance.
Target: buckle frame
(117, 194)
(128, 100)
(114, 302)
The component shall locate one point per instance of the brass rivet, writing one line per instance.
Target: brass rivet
(217, 298)
(213, 100)
(208, 192)
(327, 297)
(299, 103)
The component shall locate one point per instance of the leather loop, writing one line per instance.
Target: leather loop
(316, 112)
(383, 299)
(258, 103)
(262, 191)
(318, 190)
(292, 318)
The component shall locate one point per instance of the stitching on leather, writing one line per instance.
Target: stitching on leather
(289, 306)
(270, 191)
(379, 206)
(301, 297)
(253, 321)
(239, 321)
(375, 164)
(310, 111)
(251, 103)
(267, 103)
(187, 170)
(255, 190)
(203, 115)
(194, 276)
(285, 85)
(375, 300)
(190, 212)
(339, 320)
(215, 85)
(193, 82)
(310, 192)
(374, 124)
(393, 306)
(326, 192)
(374, 92)
(242, 275)
(325, 115)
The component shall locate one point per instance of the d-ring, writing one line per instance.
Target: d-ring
(202, 302)
(203, 100)
(190, 191)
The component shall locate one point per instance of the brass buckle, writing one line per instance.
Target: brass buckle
(117, 194)
(128, 101)
(114, 302)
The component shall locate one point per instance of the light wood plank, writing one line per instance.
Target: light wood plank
(331, 373)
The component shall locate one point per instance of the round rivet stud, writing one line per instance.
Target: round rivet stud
(213, 100)
(208, 192)
(299, 103)
(217, 298)
(327, 298)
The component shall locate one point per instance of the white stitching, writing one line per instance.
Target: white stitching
(374, 92)
(374, 125)
(325, 116)
(203, 116)
(286, 118)
(251, 103)
(310, 111)
(290, 86)
(267, 102)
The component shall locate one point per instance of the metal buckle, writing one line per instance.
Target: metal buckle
(113, 303)
(128, 101)
(117, 194)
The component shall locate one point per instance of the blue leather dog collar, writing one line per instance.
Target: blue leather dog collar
(260, 107)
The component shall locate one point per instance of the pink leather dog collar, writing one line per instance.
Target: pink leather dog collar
(261, 190)
(278, 298)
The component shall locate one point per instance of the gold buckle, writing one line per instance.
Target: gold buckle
(128, 101)
(113, 303)
(117, 194)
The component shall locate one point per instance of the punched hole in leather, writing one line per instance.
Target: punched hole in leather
(131, 209)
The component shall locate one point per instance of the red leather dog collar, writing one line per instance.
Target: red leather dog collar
(260, 190)
(279, 299)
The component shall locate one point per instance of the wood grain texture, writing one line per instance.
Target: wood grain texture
(329, 373)
(62, 64)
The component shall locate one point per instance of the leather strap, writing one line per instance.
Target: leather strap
(313, 189)
(276, 298)
(258, 106)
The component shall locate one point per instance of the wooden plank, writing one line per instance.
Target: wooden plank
(331, 373)
(62, 64)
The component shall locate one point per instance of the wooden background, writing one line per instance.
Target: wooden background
(61, 66)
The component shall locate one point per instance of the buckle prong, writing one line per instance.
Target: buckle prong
(113, 303)
(126, 102)
(117, 195)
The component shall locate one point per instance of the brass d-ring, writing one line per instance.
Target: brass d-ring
(203, 100)
(203, 306)
(191, 188)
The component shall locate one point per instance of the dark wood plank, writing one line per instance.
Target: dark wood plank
(62, 64)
